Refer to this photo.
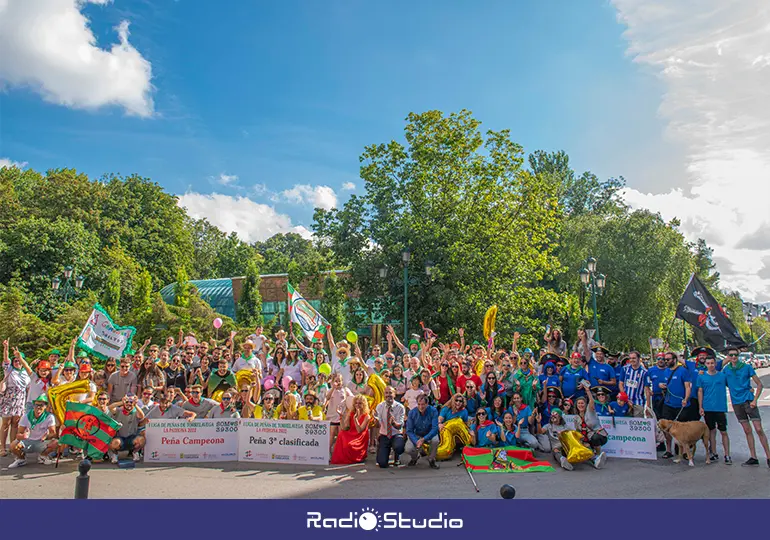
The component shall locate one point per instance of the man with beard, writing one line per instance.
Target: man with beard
(165, 409)
(677, 388)
(311, 410)
(599, 371)
(390, 416)
(635, 383)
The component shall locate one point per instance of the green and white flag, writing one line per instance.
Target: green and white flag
(103, 338)
(305, 315)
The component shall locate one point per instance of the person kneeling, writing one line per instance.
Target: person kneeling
(128, 438)
(588, 424)
(36, 434)
(485, 433)
(552, 430)
(390, 416)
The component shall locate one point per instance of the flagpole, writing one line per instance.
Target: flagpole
(684, 330)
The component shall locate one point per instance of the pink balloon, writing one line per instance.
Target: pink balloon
(285, 381)
(217, 323)
(268, 384)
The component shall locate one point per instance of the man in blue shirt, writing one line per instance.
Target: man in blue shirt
(677, 388)
(571, 377)
(422, 427)
(739, 377)
(656, 375)
(696, 368)
(712, 397)
(601, 373)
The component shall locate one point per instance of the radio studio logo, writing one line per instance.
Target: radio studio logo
(369, 519)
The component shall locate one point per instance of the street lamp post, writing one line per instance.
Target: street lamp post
(65, 288)
(594, 283)
(749, 320)
(406, 257)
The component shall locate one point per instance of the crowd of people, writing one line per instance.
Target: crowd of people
(395, 399)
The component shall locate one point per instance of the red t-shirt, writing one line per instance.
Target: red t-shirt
(461, 382)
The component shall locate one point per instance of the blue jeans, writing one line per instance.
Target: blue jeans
(385, 444)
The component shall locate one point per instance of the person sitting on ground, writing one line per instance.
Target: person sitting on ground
(524, 418)
(552, 429)
(587, 422)
(36, 434)
(166, 409)
(196, 402)
(226, 407)
(287, 410)
(620, 407)
(509, 430)
(496, 410)
(128, 438)
(485, 432)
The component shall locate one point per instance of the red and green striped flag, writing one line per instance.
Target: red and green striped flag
(88, 428)
(518, 460)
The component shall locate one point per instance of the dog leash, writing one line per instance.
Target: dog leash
(677, 414)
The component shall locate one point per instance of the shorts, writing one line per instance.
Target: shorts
(35, 446)
(691, 413)
(716, 419)
(126, 443)
(744, 412)
(337, 424)
(657, 405)
(670, 413)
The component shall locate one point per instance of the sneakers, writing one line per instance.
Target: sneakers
(113, 457)
(433, 464)
(728, 460)
(45, 460)
(751, 461)
(667, 455)
(396, 462)
(566, 465)
(768, 462)
(18, 462)
(599, 461)
(137, 456)
(714, 457)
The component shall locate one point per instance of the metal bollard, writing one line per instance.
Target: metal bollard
(81, 482)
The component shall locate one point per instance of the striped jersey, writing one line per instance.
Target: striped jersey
(634, 382)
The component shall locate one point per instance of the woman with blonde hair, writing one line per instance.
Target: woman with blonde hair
(353, 438)
(287, 410)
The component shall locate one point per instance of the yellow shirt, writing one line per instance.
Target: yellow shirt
(258, 412)
(317, 411)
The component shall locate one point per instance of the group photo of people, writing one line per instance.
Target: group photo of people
(392, 404)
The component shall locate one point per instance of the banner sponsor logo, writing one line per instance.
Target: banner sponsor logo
(370, 519)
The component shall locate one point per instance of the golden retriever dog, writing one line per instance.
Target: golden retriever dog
(686, 435)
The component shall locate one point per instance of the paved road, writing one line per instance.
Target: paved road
(621, 478)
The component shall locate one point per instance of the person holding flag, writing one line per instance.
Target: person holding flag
(128, 415)
(36, 434)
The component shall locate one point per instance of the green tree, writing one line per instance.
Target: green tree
(182, 289)
(466, 204)
(333, 303)
(705, 268)
(249, 308)
(111, 297)
(143, 293)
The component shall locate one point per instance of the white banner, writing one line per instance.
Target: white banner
(630, 437)
(283, 441)
(174, 441)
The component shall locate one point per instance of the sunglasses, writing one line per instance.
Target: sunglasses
(195, 392)
(226, 399)
(269, 399)
(468, 386)
(732, 354)
(444, 365)
(40, 405)
(481, 414)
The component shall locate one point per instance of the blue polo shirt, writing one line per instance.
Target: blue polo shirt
(739, 383)
(598, 371)
(657, 375)
(570, 379)
(714, 391)
(447, 414)
(676, 391)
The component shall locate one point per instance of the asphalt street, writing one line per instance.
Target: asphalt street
(621, 478)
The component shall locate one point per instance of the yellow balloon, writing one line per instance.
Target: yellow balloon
(489, 322)
(59, 395)
(453, 433)
(572, 445)
(378, 388)
(480, 368)
(244, 376)
(217, 396)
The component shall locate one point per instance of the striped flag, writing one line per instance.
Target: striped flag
(305, 315)
(88, 428)
(519, 460)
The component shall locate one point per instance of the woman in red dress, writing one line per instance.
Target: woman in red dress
(353, 438)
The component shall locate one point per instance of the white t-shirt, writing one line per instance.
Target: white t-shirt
(344, 370)
(39, 431)
(253, 363)
(37, 387)
(337, 401)
(83, 398)
(258, 340)
(410, 396)
(294, 371)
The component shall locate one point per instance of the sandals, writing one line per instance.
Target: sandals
(3, 452)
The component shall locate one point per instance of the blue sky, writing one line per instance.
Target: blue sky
(273, 102)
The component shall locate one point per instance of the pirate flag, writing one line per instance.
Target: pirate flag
(703, 312)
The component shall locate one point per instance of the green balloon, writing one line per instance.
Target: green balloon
(326, 369)
(352, 336)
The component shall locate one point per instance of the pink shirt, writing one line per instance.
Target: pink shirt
(336, 400)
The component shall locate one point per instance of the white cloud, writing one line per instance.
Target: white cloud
(47, 45)
(319, 196)
(252, 221)
(5, 162)
(226, 179)
(349, 186)
(712, 57)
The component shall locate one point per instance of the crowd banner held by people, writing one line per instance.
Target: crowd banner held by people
(283, 441)
(632, 438)
(175, 441)
(306, 316)
(103, 338)
(699, 308)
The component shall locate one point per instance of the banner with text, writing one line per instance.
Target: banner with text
(103, 338)
(283, 441)
(629, 438)
(174, 441)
